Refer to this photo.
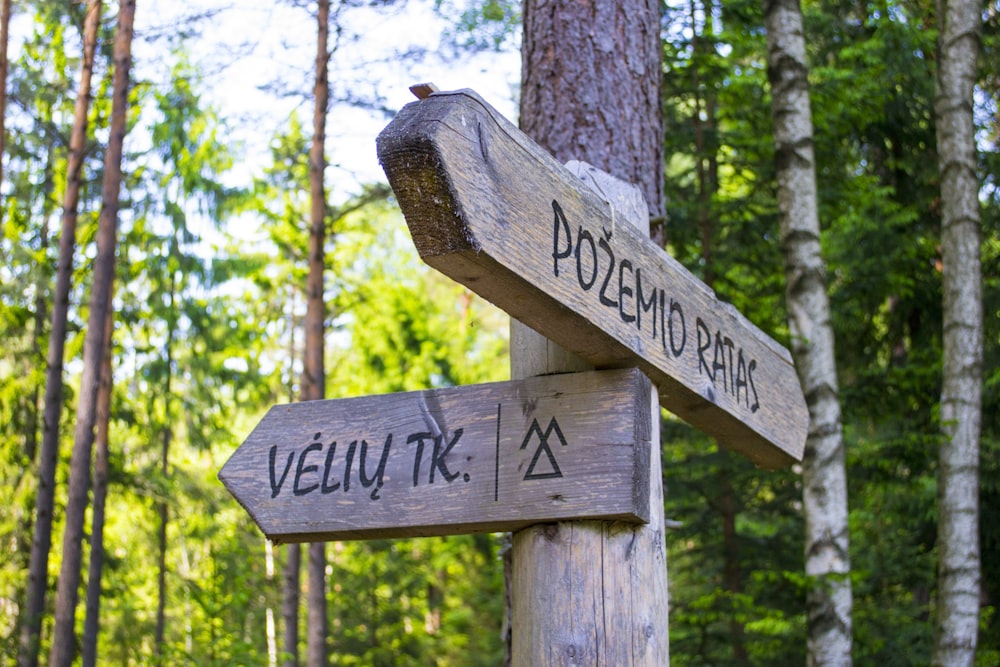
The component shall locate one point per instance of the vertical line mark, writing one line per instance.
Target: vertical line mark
(496, 463)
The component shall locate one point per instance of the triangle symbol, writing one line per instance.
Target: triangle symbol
(543, 446)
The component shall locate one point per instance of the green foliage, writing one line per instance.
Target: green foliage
(39, 110)
(394, 326)
(482, 25)
(208, 335)
(872, 87)
(417, 602)
(400, 327)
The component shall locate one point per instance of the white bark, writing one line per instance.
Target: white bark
(824, 479)
(961, 394)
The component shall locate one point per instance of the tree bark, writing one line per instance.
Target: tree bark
(91, 625)
(162, 510)
(959, 566)
(269, 628)
(291, 581)
(290, 604)
(4, 38)
(824, 479)
(593, 96)
(732, 575)
(314, 382)
(48, 456)
(707, 178)
(63, 638)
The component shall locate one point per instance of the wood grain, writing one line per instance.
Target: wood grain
(480, 458)
(617, 571)
(489, 208)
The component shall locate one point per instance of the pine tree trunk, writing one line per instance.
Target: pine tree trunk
(591, 95)
(290, 604)
(707, 178)
(314, 382)
(34, 418)
(605, 107)
(91, 625)
(959, 567)
(732, 574)
(824, 479)
(162, 511)
(291, 581)
(45, 498)
(270, 631)
(4, 38)
(63, 638)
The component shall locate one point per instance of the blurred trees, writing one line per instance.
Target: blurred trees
(872, 74)
(208, 333)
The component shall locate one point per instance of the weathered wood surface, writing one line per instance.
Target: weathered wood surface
(615, 571)
(588, 592)
(479, 458)
(488, 207)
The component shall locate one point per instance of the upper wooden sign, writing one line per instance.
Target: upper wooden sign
(491, 209)
(479, 458)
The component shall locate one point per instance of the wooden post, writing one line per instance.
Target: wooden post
(590, 592)
(477, 195)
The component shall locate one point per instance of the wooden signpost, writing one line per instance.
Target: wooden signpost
(479, 458)
(489, 208)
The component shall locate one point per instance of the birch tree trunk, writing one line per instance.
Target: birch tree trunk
(67, 594)
(824, 478)
(959, 567)
(41, 542)
(314, 380)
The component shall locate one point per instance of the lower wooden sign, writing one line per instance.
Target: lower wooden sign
(478, 458)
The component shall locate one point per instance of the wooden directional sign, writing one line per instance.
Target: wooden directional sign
(479, 458)
(491, 209)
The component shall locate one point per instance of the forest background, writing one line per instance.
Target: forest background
(211, 300)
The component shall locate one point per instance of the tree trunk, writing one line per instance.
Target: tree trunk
(732, 575)
(604, 108)
(959, 567)
(293, 561)
(290, 604)
(48, 457)
(824, 479)
(316, 603)
(34, 413)
(593, 96)
(705, 144)
(162, 511)
(63, 638)
(269, 629)
(4, 38)
(161, 561)
(91, 625)
(314, 382)
(707, 178)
